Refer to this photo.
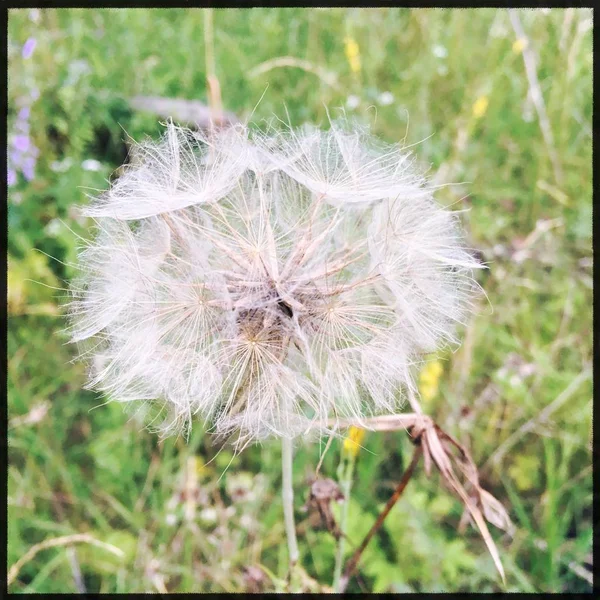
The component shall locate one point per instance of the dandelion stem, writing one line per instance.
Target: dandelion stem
(346, 487)
(288, 502)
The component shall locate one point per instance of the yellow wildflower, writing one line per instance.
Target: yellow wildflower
(196, 467)
(352, 54)
(519, 45)
(480, 106)
(429, 380)
(353, 440)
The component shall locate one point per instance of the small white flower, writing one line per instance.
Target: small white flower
(53, 228)
(440, 51)
(268, 282)
(91, 165)
(352, 102)
(499, 250)
(208, 515)
(76, 70)
(61, 166)
(515, 380)
(247, 522)
(386, 98)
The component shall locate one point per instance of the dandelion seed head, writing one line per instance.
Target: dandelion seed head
(267, 282)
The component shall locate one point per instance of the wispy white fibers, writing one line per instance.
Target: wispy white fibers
(269, 282)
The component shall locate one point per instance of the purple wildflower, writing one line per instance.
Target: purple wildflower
(28, 168)
(29, 47)
(21, 143)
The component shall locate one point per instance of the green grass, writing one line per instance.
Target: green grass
(89, 467)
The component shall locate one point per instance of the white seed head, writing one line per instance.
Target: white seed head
(268, 282)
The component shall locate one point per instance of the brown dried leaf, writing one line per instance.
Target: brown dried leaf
(437, 449)
(495, 513)
(322, 493)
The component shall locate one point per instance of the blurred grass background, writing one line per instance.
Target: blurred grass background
(518, 393)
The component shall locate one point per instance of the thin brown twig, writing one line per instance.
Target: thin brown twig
(353, 562)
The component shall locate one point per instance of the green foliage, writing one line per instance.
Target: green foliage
(191, 516)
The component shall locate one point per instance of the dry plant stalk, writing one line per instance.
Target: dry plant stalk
(443, 451)
(214, 87)
(535, 93)
(325, 76)
(65, 540)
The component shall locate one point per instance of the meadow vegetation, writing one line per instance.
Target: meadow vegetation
(515, 145)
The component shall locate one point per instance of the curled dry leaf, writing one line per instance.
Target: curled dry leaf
(322, 493)
(443, 451)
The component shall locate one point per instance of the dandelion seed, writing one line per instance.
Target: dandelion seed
(267, 283)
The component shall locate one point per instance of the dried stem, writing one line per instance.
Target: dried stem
(541, 417)
(214, 88)
(66, 540)
(291, 61)
(536, 95)
(352, 563)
